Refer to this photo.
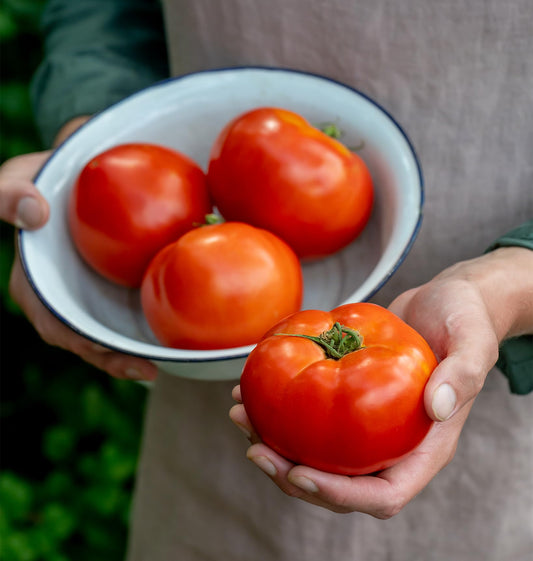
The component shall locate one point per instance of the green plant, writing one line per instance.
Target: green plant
(70, 434)
(20, 44)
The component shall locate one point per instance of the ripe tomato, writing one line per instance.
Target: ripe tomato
(269, 167)
(352, 414)
(129, 202)
(219, 286)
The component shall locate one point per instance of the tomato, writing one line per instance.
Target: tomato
(219, 286)
(271, 168)
(129, 202)
(355, 413)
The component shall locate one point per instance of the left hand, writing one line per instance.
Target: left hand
(463, 313)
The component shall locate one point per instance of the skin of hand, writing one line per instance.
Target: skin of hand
(23, 206)
(464, 313)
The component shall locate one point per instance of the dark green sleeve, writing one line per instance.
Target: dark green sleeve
(96, 52)
(516, 355)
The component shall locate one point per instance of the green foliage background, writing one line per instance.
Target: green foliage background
(69, 433)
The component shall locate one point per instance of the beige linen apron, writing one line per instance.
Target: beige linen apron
(458, 76)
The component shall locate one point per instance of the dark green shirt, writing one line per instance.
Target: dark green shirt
(96, 53)
(516, 355)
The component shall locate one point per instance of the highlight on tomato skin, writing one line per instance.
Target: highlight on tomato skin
(353, 414)
(273, 169)
(220, 286)
(130, 201)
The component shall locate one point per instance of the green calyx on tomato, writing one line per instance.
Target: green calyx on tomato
(331, 130)
(336, 342)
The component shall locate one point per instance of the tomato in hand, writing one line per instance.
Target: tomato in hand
(220, 286)
(340, 391)
(269, 167)
(129, 202)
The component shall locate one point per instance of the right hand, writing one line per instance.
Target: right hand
(23, 206)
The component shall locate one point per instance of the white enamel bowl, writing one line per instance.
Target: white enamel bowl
(187, 113)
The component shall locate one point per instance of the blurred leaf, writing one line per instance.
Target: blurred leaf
(59, 442)
(104, 499)
(74, 503)
(88, 467)
(57, 521)
(19, 145)
(98, 536)
(7, 253)
(33, 379)
(5, 526)
(56, 556)
(30, 10)
(40, 541)
(57, 485)
(16, 496)
(8, 25)
(15, 101)
(19, 547)
(93, 406)
(117, 465)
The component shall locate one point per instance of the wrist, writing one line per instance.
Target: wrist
(505, 280)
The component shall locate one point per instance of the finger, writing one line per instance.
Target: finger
(21, 204)
(56, 333)
(240, 420)
(472, 352)
(385, 494)
(121, 366)
(277, 468)
(462, 337)
(399, 305)
(236, 394)
(239, 417)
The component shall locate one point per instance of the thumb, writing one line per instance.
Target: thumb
(21, 204)
(460, 376)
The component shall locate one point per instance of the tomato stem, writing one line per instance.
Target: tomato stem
(331, 130)
(357, 148)
(336, 342)
(209, 220)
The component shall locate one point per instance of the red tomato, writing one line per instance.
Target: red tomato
(356, 413)
(131, 201)
(271, 168)
(220, 286)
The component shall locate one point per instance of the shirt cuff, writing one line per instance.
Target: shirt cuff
(516, 355)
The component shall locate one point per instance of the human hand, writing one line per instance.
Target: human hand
(22, 205)
(464, 313)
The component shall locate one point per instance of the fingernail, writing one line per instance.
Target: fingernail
(29, 213)
(265, 465)
(444, 400)
(134, 374)
(304, 483)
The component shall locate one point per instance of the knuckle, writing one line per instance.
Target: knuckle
(293, 491)
(472, 378)
(390, 509)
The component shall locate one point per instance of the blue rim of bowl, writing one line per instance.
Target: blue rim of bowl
(241, 353)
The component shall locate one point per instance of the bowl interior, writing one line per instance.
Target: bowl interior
(187, 113)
